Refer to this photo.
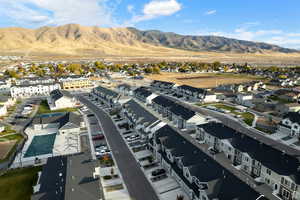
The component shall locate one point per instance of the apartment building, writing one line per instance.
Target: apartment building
(75, 82)
(24, 91)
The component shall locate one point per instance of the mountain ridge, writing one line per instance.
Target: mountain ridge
(77, 39)
(217, 43)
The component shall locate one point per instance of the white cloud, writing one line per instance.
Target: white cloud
(58, 12)
(210, 12)
(277, 37)
(155, 9)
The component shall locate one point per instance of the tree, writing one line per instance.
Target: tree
(11, 73)
(148, 70)
(155, 70)
(100, 65)
(216, 65)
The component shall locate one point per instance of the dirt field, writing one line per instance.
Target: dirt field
(205, 80)
(5, 148)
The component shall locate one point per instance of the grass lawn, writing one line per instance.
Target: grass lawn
(264, 130)
(44, 108)
(17, 184)
(248, 118)
(7, 130)
(276, 98)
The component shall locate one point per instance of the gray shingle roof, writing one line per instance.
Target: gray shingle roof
(139, 112)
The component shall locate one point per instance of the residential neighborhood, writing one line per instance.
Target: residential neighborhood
(113, 136)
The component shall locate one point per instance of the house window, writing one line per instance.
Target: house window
(285, 194)
(246, 159)
(293, 186)
(187, 175)
(269, 172)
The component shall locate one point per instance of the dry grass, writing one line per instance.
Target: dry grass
(205, 80)
(5, 148)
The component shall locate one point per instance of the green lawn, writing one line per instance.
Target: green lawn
(276, 98)
(17, 184)
(7, 130)
(248, 118)
(44, 108)
(264, 130)
(12, 137)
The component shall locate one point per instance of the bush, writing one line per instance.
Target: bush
(107, 177)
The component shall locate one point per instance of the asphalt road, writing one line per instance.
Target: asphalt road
(138, 186)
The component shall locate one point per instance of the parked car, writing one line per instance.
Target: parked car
(98, 137)
(212, 151)
(158, 172)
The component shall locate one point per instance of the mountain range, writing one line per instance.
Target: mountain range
(74, 39)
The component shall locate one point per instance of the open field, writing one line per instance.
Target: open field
(17, 184)
(5, 148)
(204, 80)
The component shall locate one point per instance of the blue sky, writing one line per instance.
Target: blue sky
(272, 21)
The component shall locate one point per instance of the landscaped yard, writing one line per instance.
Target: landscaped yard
(17, 184)
(246, 116)
(44, 108)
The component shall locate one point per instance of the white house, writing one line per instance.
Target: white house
(2, 128)
(3, 110)
(245, 99)
(60, 100)
(291, 124)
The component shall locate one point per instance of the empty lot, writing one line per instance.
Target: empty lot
(203, 80)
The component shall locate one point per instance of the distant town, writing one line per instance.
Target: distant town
(153, 131)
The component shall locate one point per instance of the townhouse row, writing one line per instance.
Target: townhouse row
(186, 92)
(109, 96)
(263, 163)
(180, 116)
(30, 87)
(199, 175)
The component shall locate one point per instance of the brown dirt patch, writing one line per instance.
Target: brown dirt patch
(205, 80)
(5, 148)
